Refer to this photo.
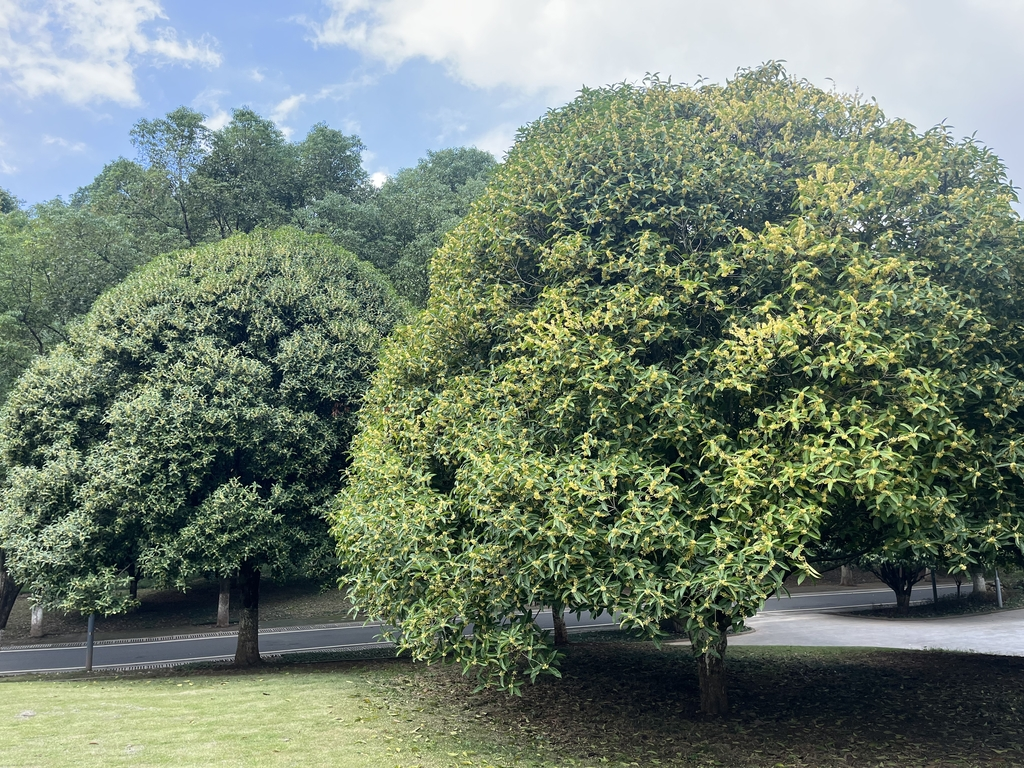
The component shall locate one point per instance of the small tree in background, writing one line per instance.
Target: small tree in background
(685, 338)
(899, 575)
(196, 421)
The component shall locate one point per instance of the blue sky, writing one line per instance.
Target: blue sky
(413, 75)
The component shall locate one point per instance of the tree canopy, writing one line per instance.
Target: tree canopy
(200, 184)
(398, 227)
(54, 261)
(689, 341)
(196, 421)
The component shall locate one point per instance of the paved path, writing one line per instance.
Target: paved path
(997, 633)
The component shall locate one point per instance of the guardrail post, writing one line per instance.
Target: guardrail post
(88, 642)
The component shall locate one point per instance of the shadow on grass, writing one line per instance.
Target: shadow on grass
(623, 702)
(630, 703)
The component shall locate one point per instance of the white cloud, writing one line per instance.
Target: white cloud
(87, 50)
(286, 107)
(208, 102)
(217, 120)
(71, 146)
(917, 58)
(6, 168)
(497, 140)
(284, 110)
(378, 179)
(451, 122)
(341, 91)
(256, 75)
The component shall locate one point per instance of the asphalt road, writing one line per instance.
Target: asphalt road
(182, 649)
(851, 599)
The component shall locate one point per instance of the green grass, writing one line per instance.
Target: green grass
(620, 703)
(275, 718)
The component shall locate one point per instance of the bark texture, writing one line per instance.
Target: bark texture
(224, 603)
(846, 578)
(714, 698)
(978, 582)
(36, 627)
(903, 603)
(8, 592)
(247, 653)
(561, 633)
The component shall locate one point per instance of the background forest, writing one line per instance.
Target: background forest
(189, 185)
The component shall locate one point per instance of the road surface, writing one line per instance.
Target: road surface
(780, 620)
(186, 649)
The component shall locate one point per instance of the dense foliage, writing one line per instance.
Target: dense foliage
(190, 184)
(398, 227)
(688, 341)
(54, 262)
(196, 421)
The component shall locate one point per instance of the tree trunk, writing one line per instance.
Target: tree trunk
(903, 602)
(224, 603)
(900, 578)
(247, 653)
(8, 593)
(846, 578)
(36, 628)
(978, 580)
(133, 584)
(561, 633)
(714, 699)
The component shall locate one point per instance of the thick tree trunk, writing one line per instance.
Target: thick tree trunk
(561, 633)
(903, 602)
(978, 581)
(846, 578)
(36, 627)
(224, 603)
(247, 653)
(714, 699)
(8, 593)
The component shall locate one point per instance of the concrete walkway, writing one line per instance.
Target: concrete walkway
(999, 633)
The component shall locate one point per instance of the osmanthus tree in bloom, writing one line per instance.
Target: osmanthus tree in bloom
(690, 340)
(197, 421)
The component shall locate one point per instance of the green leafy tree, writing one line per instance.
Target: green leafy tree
(191, 184)
(197, 420)
(330, 163)
(252, 173)
(8, 202)
(398, 227)
(55, 259)
(54, 262)
(688, 341)
(139, 200)
(175, 147)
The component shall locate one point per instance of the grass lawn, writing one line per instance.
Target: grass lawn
(621, 703)
(278, 717)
